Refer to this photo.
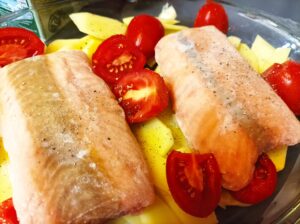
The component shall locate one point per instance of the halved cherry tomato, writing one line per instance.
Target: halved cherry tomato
(262, 185)
(285, 80)
(212, 13)
(18, 43)
(142, 94)
(145, 31)
(8, 213)
(194, 181)
(115, 57)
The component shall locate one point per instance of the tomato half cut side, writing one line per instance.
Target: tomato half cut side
(285, 80)
(194, 181)
(142, 94)
(18, 43)
(8, 213)
(212, 13)
(262, 185)
(145, 31)
(115, 57)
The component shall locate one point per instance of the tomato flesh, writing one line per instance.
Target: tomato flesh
(142, 94)
(194, 181)
(212, 13)
(285, 80)
(145, 31)
(8, 213)
(17, 44)
(115, 57)
(262, 185)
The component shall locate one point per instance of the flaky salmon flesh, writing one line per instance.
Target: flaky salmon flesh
(73, 156)
(221, 104)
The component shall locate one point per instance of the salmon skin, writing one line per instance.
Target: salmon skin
(73, 156)
(221, 104)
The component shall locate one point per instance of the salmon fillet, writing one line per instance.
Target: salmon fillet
(221, 104)
(73, 156)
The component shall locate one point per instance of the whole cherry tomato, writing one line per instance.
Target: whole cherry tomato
(212, 13)
(194, 181)
(145, 31)
(262, 185)
(285, 80)
(8, 213)
(18, 43)
(115, 57)
(142, 94)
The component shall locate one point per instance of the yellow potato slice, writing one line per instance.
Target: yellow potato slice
(261, 48)
(97, 26)
(154, 136)
(281, 55)
(89, 45)
(5, 185)
(168, 118)
(250, 56)
(157, 213)
(63, 44)
(235, 41)
(278, 157)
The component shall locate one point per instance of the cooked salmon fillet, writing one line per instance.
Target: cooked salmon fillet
(221, 104)
(73, 157)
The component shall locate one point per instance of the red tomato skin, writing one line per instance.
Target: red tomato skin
(148, 107)
(8, 213)
(285, 80)
(145, 31)
(109, 51)
(212, 13)
(262, 185)
(18, 43)
(201, 199)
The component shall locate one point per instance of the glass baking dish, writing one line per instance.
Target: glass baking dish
(284, 205)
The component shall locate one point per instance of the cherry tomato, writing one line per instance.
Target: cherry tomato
(142, 94)
(18, 43)
(115, 57)
(145, 31)
(212, 13)
(262, 185)
(285, 80)
(194, 181)
(8, 213)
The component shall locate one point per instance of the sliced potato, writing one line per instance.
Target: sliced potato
(157, 213)
(97, 26)
(89, 45)
(168, 12)
(261, 48)
(157, 167)
(235, 41)
(250, 56)
(278, 157)
(155, 136)
(168, 118)
(281, 55)
(63, 44)
(267, 55)
(169, 28)
(169, 21)
(5, 185)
